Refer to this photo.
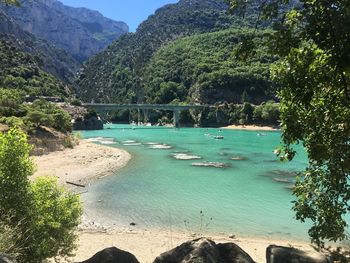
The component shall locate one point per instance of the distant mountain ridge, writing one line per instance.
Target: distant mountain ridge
(79, 31)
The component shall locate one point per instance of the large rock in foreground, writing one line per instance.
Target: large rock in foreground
(112, 255)
(278, 254)
(205, 251)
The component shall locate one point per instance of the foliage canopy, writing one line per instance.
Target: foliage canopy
(20, 70)
(117, 74)
(204, 69)
(45, 214)
(313, 40)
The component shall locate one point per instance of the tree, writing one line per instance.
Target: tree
(10, 2)
(15, 167)
(46, 214)
(55, 219)
(312, 38)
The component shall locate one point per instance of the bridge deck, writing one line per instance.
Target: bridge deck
(101, 106)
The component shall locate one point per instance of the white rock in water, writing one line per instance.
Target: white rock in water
(107, 142)
(132, 144)
(184, 156)
(160, 146)
(95, 139)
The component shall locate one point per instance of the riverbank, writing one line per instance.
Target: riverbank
(146, 245)
(251, 128)
(83, 164)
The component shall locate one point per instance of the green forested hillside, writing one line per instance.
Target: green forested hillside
(21, 71)
(117, 74)
(206, 69)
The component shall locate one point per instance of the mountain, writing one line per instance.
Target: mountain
(207, 69)
(79, 31)
(117, 73)
(50, 58)
(21, 71)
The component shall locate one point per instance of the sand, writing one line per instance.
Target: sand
(250, 128)
(83, 164)
(88, 162)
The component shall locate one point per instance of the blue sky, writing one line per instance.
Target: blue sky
(133, 12)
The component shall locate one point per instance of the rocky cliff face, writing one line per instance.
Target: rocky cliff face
(50, 58)
(79, 31)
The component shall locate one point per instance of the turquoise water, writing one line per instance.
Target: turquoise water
(249, 196)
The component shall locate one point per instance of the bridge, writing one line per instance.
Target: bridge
(176, 109)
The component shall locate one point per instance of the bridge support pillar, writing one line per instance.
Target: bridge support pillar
(176, 118)
(146, 116)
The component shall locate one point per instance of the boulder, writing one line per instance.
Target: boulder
(278, 254)
(6, 259)
(112, 255)
(203, 250)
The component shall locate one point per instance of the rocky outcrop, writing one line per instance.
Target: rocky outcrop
(88, 124)
(278, 254)
(112, 255)
(205, 251)
(79, 31)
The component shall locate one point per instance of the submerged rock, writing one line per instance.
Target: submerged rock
(284, 173)
(112, 255)
(211, 164)
(278, 254)
(239, 158)
(205, 251)
(282, 180)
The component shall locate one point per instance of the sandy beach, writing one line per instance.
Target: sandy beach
(250, 128)
(88, 162)
(83, 164)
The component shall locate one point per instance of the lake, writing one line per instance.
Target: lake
(230, 185)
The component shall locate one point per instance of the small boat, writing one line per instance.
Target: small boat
(218, 137)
